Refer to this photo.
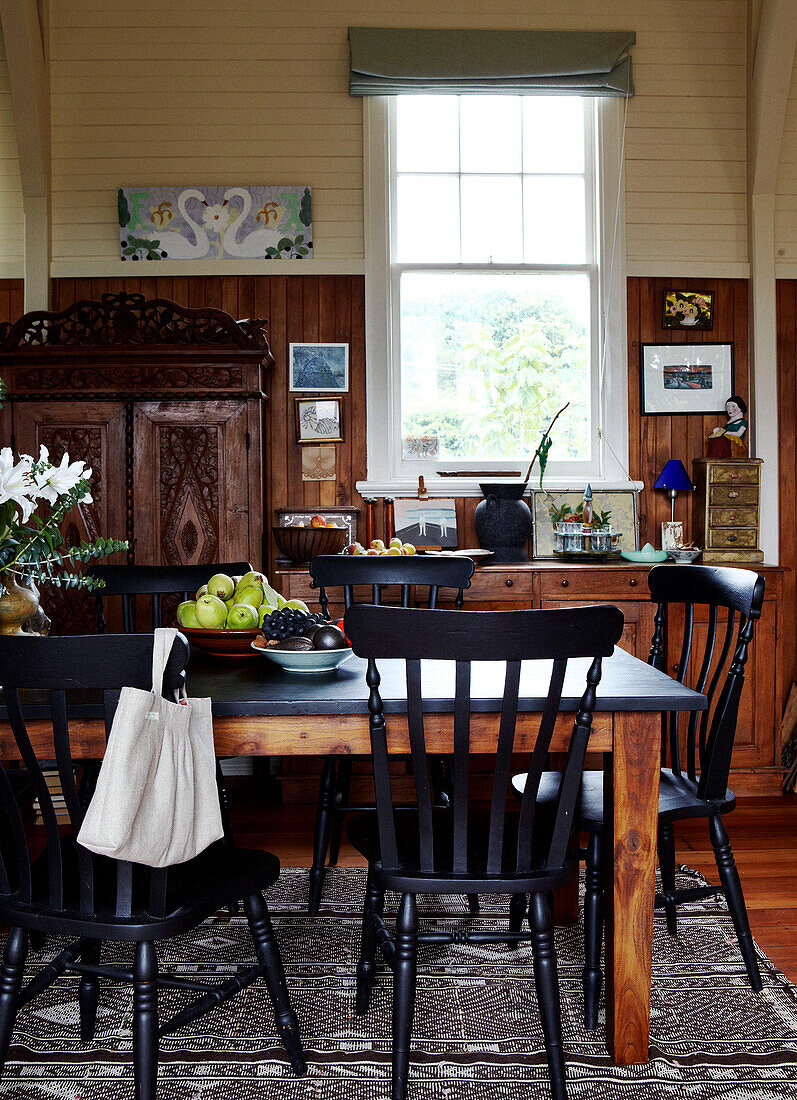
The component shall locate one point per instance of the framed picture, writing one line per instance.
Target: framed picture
(338, 517)
(319, 368)
(678, 379)
(688, 309)
(622, 503)
(319, 419)
(427, 523)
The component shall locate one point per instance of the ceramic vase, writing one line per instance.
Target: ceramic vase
(503, 521)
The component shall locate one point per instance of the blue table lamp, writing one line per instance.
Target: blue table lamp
(675, 480)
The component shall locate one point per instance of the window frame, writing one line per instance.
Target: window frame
(609, 393)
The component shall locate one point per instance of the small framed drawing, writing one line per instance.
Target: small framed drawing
(688, 309)
(319, 419)
(678, 379)
(319, 368)
(427, 523)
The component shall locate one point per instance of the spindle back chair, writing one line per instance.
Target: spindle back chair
(67, 890)
(416, 851)
(386, 576)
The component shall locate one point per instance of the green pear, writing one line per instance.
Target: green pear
(281, 602)
(253, 578)
(200, 592)
(242, 617)
(298, 605)
(186, 615)
(251, 595)
(210, 612)
(237, 578)
(222, 586)
(263, 612)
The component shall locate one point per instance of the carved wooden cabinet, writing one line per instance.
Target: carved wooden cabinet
(165, 403)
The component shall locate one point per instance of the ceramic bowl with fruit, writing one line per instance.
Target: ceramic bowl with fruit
(302, 643)
(227, 613)
(377, 548)
(301, 542)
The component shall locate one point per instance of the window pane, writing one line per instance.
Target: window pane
(553, 134)
(488, 358)
(492, 219)
(428, 219)
(426, 133)
(553, 213)
(490, 133)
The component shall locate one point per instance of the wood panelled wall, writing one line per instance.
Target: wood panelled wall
(787, 466)
(12, 299)
(655, 439)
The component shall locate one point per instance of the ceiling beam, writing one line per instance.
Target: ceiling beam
(773, 60)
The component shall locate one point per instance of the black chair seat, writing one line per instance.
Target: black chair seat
(678, 798)
(219, 877)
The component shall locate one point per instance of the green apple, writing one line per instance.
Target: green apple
(210, 612)
(263, 612)
(251, 595)
(186, 614)
(222, 586)
(298, 605)
(242, 617)
(200, 592)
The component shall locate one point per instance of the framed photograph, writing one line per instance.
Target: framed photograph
(318, 368)
(688, 309)
(679, 379)
(427, 523)
(319, 419)
(337, 517)
(622, 503)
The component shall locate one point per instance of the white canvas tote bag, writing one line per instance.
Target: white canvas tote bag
(156, 800)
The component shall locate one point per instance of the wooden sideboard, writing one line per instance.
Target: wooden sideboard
(541, 584)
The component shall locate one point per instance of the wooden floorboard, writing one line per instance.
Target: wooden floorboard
(763, 833)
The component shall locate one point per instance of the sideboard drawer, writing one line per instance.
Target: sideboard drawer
(510, 585)
(733, 517)
(733, 494)
(740, 474)
(741, 538)
(595, 584)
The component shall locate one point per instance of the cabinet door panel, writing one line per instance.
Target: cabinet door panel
(92, 431)
(197, 493)
(638, 629)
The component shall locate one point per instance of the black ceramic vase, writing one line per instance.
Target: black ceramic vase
(503, 521)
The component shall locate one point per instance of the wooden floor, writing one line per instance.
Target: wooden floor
(763, 833)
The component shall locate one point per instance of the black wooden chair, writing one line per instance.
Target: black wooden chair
(67, 891)
(418, 851)
(155, 581)
(698, 788)
(377, 573)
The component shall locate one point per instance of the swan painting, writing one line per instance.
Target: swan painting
(212, 223)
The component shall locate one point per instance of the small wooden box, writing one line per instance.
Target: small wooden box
(725, 508)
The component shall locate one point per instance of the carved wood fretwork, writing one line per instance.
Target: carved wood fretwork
(189, 493)
(131, 319)
(128, 376)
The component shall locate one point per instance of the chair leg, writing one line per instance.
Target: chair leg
(546, 980)
(323, 824)
(517, 911)
(665, 843)
(729, 877)
(145, 1021)
(268, 955)
(341, 801)
(593, 931)
(89, 991)
(366, 967)
(405, 966)
(11, 971)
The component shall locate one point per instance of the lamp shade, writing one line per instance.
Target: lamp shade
(674, 476)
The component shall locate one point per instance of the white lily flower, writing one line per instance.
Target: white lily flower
(57, 480)
(16, 482)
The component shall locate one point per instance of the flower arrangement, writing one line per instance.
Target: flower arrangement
(32, 546)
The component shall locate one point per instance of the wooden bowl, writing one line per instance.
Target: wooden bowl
(300, 544)
(222, 643)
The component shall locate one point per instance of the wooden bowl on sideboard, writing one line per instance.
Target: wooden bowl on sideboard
(300, 544)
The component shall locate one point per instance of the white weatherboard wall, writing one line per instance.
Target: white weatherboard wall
(249, 91)
(786, 195)
(11, 218)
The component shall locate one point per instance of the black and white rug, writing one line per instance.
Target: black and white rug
(476, 1035)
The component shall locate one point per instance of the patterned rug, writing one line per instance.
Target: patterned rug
(476, 1035)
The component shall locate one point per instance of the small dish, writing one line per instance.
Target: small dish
(306, 660)
(684, 557)
(646, 556)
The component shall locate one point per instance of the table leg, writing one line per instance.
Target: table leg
(631, 786)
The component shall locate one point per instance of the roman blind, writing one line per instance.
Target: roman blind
(398, 61)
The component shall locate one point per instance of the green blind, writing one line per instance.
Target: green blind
(398, 61)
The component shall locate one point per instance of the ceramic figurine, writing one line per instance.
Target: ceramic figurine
(729, 442)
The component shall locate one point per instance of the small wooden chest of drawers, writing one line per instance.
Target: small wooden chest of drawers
(725, 508)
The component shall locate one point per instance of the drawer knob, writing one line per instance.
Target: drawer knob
(732, 538)
(734, 475)
(732, 495)
(633, 582)
(509, 582)
(565, 584)
(732, 517)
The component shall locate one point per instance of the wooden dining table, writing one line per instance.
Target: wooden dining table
(259, 710)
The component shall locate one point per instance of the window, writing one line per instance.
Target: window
(485, 285)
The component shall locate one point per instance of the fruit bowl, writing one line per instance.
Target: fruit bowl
(300, 544)
(305, 660)
(222, 643)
